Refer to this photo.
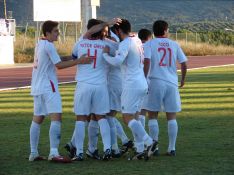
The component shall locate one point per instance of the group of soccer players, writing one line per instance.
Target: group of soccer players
(117, 71)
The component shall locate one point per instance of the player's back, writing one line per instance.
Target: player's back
(94, 73)
(132, 67)
(164, 53)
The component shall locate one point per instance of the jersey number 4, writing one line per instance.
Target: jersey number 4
(93, 57)
(165, 53)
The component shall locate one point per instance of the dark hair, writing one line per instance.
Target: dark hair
(48, 26)
(92, 22)
(144, 34)
(159, 27)
(125, 26)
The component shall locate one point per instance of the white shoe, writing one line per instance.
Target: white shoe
(35, 157)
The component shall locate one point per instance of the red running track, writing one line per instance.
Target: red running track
(19, 77)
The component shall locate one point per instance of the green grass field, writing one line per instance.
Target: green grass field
(205, 142)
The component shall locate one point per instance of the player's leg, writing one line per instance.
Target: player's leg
(82, 109)
(93, 132)
(39, 115)
(142, 117)
(131, 101)
(100, 107)
(153, 127)
(113, 132)
(172, 133)
(172, 105)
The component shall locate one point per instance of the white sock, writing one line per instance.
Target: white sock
(105, 133)
(172, 134)
(73, 137)
(138, 130)
(153, 129)
(142, 120)
(55, 134)
(93, 131)
(34, 137)
(113, 133)
(79, 136)
(120, 132)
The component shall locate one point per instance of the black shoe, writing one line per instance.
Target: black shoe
(107, 155)
(126, 146)
(80, 157)
(151, 149)
(70, 149)
(138, 156)
(115, 154)
(93, 155)
(171, 153)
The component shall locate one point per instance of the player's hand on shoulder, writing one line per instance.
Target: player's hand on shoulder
(106, 49)
(84, 59)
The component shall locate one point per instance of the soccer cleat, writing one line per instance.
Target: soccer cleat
(35, 157)
(107, 155)
(59, 159)
(93, 155)
(171, 153)
(115, 153)
(126, 146)
(138, 156)
(151, 149)
(70, 149)
(80, 157)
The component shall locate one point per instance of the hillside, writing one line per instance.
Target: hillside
(181, 14)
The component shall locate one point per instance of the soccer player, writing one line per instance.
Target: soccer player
(144, 35)
(130, 57)
(91, 94)
(44, 89)
(163, 86)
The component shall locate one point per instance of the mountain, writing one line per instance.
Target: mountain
(142, 13)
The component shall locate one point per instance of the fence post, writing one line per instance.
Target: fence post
(25, 34)
(196, 37)
(176, 36)
(186, 38)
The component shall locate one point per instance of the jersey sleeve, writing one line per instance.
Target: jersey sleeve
(121, 54)
(75, 51)
(180, 55)
(147, 50)
(53, 54)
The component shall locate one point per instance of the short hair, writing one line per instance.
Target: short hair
(48, 26)
(159, 27)
(92, 22)
(144, 34)
(125, 26)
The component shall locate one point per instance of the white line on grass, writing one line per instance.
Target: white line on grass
(69, 82)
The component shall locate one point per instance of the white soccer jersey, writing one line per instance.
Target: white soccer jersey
(95, 73)
(44, 78)
(164, 54)
(130, 57)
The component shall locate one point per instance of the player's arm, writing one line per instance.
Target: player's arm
(146, 66)
(120, 56)
(99, 27)
(147, 55)
(183, 73)
(82, 60)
